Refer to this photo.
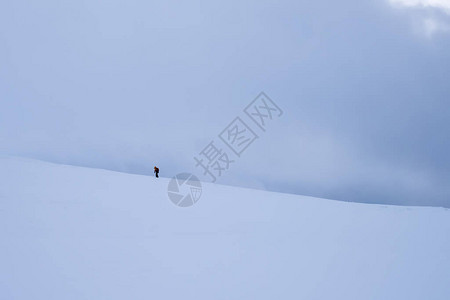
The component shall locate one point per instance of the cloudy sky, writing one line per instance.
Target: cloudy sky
(126, 85)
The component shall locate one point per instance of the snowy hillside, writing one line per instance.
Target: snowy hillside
(78, 233)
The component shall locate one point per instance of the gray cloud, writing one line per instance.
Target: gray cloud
(430, 17)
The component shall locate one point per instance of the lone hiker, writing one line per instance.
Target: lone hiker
(156, 171)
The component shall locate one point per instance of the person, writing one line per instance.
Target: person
(156, 171)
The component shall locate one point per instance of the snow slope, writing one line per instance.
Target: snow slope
(78, 233)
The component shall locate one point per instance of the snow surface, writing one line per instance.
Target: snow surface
(78, 233)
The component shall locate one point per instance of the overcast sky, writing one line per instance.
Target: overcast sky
(126, 85)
